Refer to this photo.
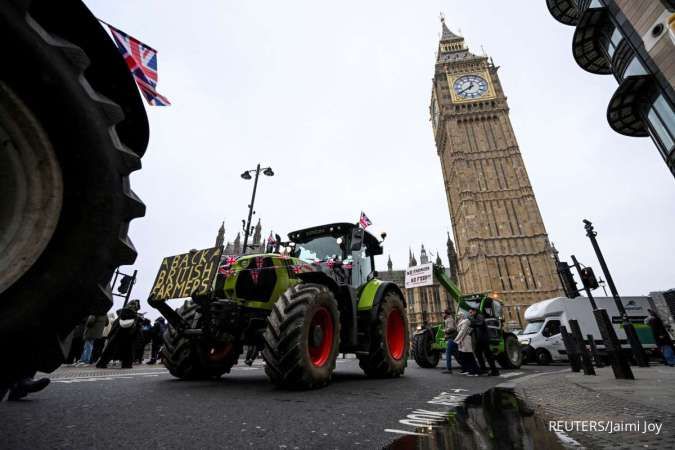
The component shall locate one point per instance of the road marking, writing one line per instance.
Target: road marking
(391, 430)
(511, 374)
(108, 377)
(421, 419)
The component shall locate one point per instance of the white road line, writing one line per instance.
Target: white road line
(107, 377)
(391, 430)
(511, 374)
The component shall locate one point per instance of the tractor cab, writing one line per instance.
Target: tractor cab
(339, 247)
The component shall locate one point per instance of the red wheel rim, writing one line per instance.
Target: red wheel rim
(395, 334)
(320, 337)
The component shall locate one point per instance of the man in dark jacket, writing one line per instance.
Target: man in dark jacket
(122, 337)
(482, 342)
(661, 338)
(76, 344)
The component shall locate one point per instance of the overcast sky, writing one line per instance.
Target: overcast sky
(334, 97)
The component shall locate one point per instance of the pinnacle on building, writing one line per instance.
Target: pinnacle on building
(424, 259)
(501, 240)
(220, 239)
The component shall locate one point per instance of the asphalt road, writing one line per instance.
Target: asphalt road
(147, 408)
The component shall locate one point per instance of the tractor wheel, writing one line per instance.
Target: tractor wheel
(512, 357)
(388, 354)
(188, 359)
(302, 337)
(425, 356)
(66, 201)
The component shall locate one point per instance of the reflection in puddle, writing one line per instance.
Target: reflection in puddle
(497, 419)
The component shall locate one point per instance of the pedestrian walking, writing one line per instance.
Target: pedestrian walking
(450, 330)
(661, 338)
(465, 347)
(158, 329)
(482, 341)
(122, 336)
(93, 330)
(76, 344)
(143, 338)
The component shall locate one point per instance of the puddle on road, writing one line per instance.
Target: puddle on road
(495, 420)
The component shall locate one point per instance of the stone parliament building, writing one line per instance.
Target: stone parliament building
(502, 244)
(427, 303)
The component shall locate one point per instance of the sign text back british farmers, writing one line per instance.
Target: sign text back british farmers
(181, 275)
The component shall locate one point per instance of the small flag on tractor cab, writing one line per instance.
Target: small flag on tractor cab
(364, 221)
(142, 62)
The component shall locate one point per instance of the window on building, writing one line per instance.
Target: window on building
(634, 68)
(662, 125)
(613, 42)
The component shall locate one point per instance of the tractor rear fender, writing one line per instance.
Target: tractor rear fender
(346, 299)
(373, 293)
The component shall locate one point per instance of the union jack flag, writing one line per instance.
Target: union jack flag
(364, 221)
(142, 62)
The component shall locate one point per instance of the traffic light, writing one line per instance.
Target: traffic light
(569, 285)
(588, 278)
(125, 284)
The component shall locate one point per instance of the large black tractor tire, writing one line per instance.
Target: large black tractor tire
(191, 359)
(388, 355)
(425, 356)
(302, 338)
(64, 184)
(512, 357)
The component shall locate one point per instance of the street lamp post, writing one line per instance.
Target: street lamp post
(246, 175)
(638, 352)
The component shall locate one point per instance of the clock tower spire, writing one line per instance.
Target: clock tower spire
(499, 233)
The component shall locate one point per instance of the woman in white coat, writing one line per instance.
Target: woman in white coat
(465, 347)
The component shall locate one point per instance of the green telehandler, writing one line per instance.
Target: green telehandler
(429, 341)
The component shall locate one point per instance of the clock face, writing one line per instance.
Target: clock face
(470, 86)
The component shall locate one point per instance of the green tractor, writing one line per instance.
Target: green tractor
(429, 341)
(301, 306)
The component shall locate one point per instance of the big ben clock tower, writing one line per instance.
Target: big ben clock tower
(499, 233)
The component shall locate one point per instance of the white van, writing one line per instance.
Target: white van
(542, 342)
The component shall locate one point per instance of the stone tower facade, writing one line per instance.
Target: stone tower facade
(501, 241)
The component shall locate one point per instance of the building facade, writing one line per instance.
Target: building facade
(633, 40)
(499, 233)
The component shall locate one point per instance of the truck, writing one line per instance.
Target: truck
(542, 341)
(315, 296)
(429, 342)
(72, 129)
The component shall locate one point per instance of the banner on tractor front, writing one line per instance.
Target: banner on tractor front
(181, 275)
(418, 276)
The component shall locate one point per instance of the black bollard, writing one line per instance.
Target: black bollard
(571, 349)
(620, 366)
(586, 362)
(594, 352)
